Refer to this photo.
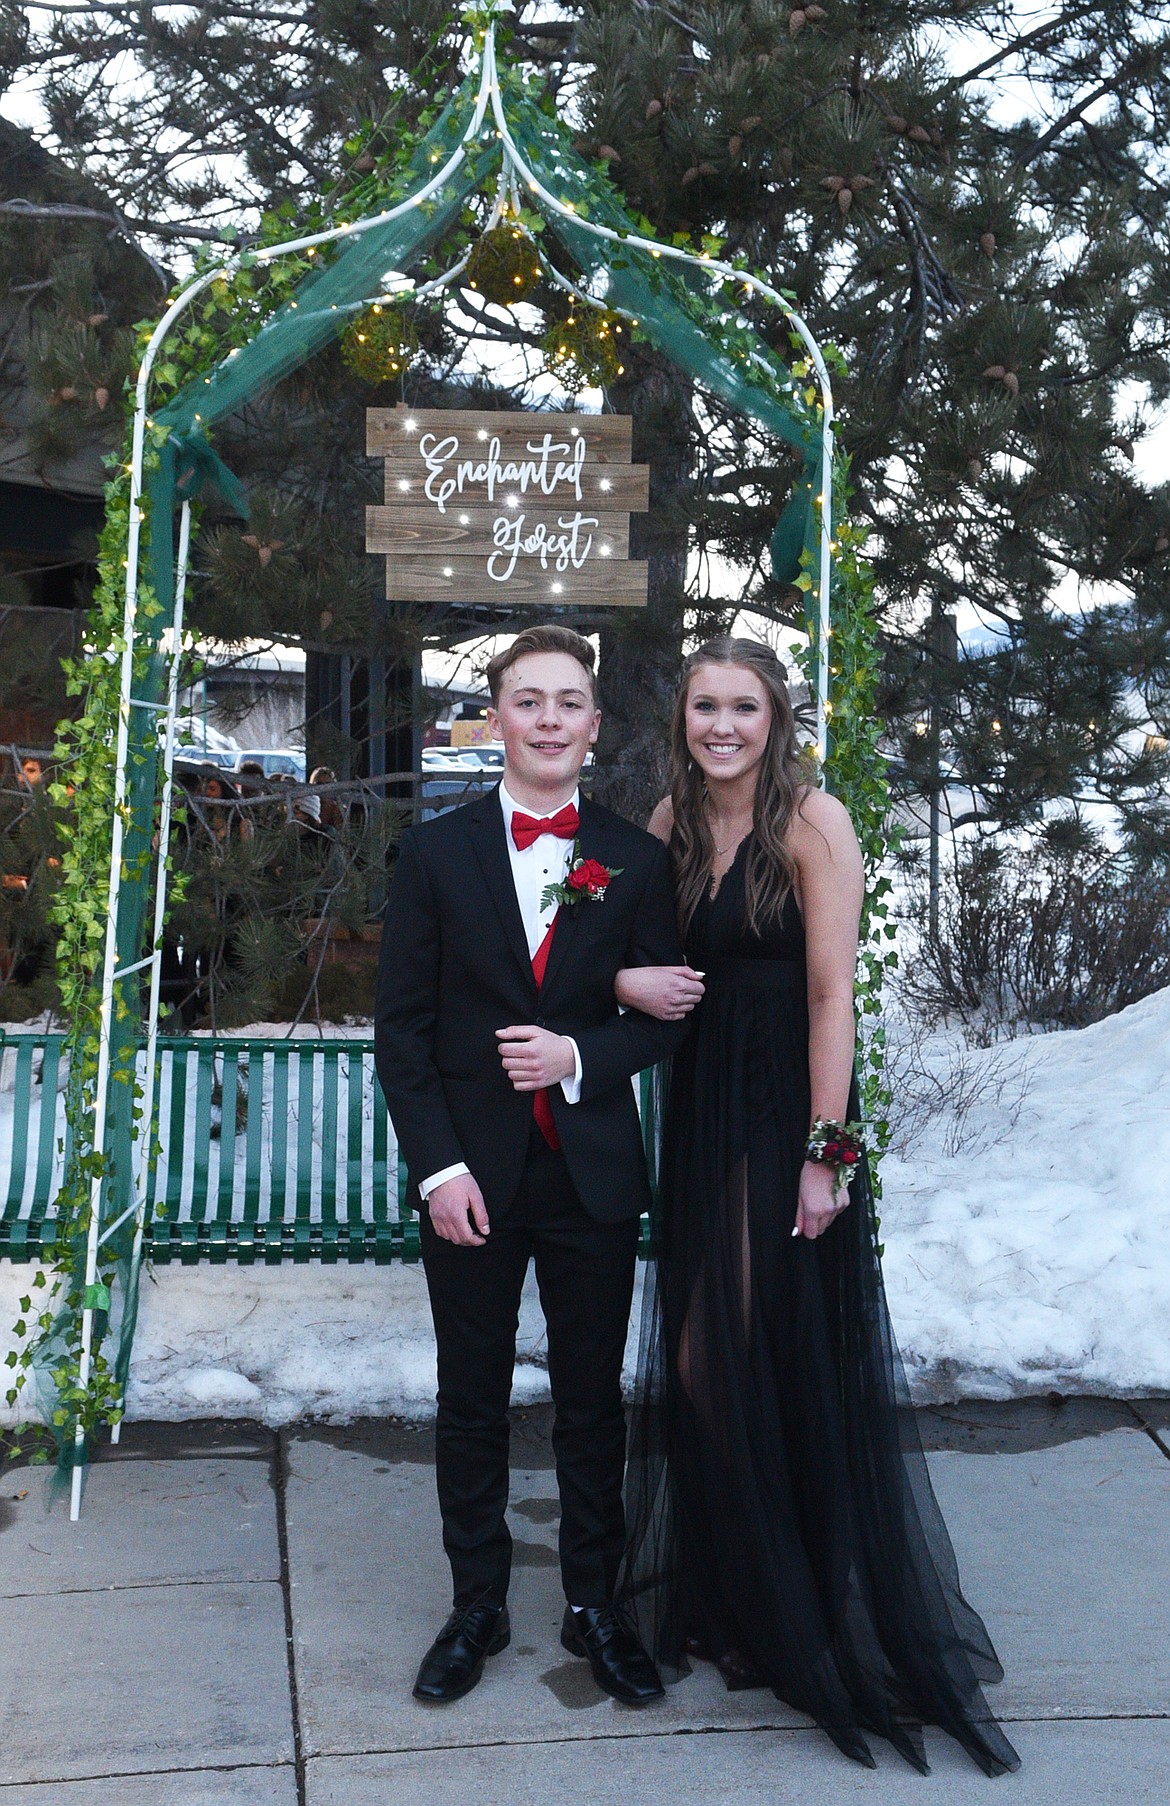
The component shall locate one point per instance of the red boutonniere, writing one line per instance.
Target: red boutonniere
(584, 878)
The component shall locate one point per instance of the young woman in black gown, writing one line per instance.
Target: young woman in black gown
(781, 1517)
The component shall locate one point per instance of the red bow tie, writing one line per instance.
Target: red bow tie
(527, 828)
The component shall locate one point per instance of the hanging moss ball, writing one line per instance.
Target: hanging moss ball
(586, 349)
(379, 344)
(504, 266)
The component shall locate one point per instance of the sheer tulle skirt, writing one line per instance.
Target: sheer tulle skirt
(779, 1503)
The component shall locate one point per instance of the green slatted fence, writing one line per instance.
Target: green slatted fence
(270, 1150)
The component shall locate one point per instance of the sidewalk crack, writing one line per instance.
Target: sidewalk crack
(280, 1472)
(1154, 1435)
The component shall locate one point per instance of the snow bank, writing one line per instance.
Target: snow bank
(1035, 1257)
(1041, 1258)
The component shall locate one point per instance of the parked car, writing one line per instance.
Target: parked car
(197, 739)
(273, 760)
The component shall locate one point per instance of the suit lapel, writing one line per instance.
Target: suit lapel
(486, 825)
(591, 845)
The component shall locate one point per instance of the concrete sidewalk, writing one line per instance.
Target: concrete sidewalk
(237, 1619)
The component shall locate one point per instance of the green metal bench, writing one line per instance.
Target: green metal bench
(270, 1150)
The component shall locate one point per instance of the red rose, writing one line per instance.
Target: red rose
(590, 876)
(849, 1156)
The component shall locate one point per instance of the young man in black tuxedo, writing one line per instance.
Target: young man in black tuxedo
(506, 1066)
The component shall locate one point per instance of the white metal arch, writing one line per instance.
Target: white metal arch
(488, 95)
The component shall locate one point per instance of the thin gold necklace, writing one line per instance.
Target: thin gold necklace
(719, 851)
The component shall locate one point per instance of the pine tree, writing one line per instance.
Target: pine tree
(990, 257)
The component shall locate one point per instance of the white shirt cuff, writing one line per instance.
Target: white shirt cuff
(448, 1172)
(572, 1087)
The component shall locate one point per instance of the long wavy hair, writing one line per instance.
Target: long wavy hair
(780, 780)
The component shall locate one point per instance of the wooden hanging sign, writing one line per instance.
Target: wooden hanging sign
(485, 507)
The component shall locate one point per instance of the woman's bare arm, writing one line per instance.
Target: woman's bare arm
(668, 992)
(828, 858)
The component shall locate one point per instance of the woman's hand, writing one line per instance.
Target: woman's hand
(817, 1206)
(668, 992)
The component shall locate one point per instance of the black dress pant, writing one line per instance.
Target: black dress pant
(585, 1272)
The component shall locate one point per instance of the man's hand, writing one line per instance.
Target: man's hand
(458, 1212)
(668, 992)
(534, 1058)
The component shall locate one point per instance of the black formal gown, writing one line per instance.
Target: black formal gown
(779, 1503)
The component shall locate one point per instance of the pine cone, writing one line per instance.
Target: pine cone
(97, 319)
(919, 134)
(262, 550)
(999, 371)
(653, 109)
(365, 163)
(974, 469)
(690, 175)
(845, 199)
(987, 243)
(707, 169)
(1124, 445)
(1162, 543)
(815, 13)
(860, 182)
(734, 145)
(101, 396)
(796, 20)
(896, 123)
(834, 184)
(607, 151)
(750, 123)
(1011, 383)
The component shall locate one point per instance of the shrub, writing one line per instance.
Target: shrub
(1039, 939)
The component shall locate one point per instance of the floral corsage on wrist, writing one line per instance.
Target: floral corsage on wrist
(585, 878)
(835, 1144)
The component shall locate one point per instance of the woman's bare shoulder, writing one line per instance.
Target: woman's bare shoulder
(820, 822)
(661, 823)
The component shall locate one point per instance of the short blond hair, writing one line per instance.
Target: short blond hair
(542, 639)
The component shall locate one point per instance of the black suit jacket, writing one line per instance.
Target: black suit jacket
(454, 967)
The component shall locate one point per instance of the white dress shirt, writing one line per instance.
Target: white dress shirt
(545, 861)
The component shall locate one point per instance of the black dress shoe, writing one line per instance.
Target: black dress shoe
(620, 1665)
(454, 1662)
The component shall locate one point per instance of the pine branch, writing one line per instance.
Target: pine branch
(1062, 124)
(1052, 31)
(121, 222)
